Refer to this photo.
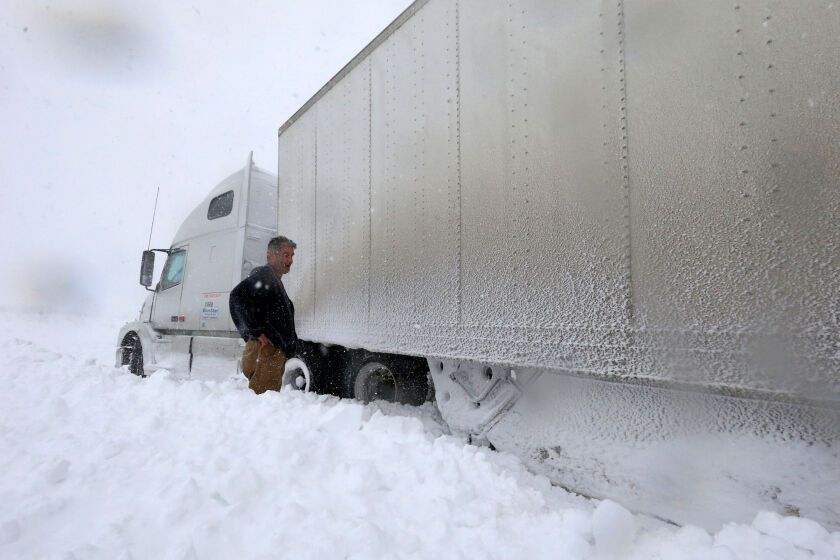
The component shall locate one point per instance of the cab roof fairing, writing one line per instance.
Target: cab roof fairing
(197, 223)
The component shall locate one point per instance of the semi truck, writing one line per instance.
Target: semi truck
(601, 236)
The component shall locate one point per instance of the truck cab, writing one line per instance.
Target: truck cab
(218, 245)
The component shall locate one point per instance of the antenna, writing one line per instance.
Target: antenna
(153, 220)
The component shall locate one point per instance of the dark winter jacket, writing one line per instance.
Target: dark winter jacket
(259, 305)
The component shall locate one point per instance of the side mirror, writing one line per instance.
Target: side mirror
(147, 268)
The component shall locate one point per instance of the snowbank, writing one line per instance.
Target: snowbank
(98, 463)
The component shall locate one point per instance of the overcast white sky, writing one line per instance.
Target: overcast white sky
(103, 101)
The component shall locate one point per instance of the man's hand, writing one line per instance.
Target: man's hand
(264, 341)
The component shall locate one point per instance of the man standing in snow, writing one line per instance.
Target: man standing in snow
(265, 317)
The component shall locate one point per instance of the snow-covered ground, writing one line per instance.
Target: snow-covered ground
(97, 463)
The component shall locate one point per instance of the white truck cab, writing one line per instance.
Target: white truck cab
(218, 245)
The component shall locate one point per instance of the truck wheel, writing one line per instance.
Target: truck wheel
(132, 354)
(297, 376)
(369, 377)
(304, 371)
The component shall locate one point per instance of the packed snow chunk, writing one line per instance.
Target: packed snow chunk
(57, 472)
(687, 543)
(341, 418)
(160, 377)
(613, 528)
(692, 538)
(746, 543)
(9, 532)
(802, 533)
(574, 534)
(399, 428)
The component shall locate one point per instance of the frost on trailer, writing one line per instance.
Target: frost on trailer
(611, 227)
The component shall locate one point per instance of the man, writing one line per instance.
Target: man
(265, 317)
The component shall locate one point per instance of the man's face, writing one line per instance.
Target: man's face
(281, 261)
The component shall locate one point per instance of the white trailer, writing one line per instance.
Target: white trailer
(607, 228)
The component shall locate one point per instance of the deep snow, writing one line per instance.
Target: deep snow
(98, 463)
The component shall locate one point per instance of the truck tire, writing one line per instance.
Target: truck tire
(369, 377)
(305, 371)
(132, 354)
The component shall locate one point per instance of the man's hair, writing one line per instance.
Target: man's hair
(277, 242)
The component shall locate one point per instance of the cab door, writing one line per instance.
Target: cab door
(166, 313)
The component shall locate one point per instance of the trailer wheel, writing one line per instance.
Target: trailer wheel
(132, 354)
(304, 371)
(297, 376)
(369, 377)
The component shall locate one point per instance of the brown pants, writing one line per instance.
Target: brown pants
(263, 366)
